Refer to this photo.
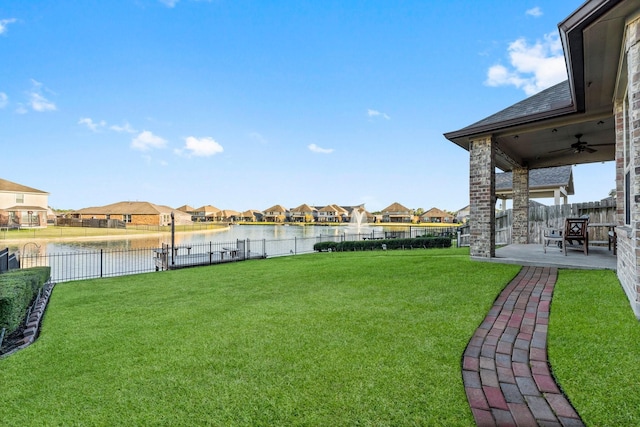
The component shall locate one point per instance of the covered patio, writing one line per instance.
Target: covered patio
(591, 117)
(599, 258)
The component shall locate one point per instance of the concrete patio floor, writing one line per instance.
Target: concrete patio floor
(599, 258)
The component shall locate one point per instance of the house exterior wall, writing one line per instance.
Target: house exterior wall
(9, 199)
(628, 235)
(148, 219)
(482, 185)
(328, 216)
(520, 233)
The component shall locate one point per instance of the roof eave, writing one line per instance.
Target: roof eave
(458, 137)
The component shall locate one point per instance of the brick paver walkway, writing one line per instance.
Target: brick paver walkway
(505, 369)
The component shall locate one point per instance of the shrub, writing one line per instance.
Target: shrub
(17, 290)
(366, 245)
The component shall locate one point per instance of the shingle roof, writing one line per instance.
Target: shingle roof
(328, 208)
(538, 178)
(207, 209)
(395, 207)
(276, 208)
(303, 208)
(132, 208)
(435, 212)
(17, 188)
(547, 101)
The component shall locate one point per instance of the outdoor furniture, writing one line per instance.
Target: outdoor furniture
(613, 241)
(551, 235)
(611, 236)
(576, 234)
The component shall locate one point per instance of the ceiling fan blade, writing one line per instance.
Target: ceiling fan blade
(588, 149)
(562, 149)
(602, 145)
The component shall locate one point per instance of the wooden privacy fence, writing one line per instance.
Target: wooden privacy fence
(541, 217)
(90, 222)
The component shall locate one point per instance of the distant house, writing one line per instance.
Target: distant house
(22, 206)
(303, 213)
(333, 213)
(205, 213)
(252, 215)
(329, 213)
(275, 213)
(438, 216)
(230, 215)
(397, 213)
(186, 209)
(135, 213)
(556, 182)
(463, 214)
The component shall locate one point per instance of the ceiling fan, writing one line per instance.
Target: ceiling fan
(580, 146)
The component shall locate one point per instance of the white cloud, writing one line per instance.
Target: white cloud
(146, 141)
(533, 67)
(200, 147)
(316, 149)
(124, 128)
(169, 3)
(40, 103)
(21, 109)
(37, 101)
(4, 100)
(536, 12)
(376, 113)
(91, 124)
(4, 23)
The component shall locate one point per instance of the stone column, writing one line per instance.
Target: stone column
(520, 230)
(633, 70)
(482, 194)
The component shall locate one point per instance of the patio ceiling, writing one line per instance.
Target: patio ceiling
(539, 131)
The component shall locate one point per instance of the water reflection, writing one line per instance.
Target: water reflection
(236, 232)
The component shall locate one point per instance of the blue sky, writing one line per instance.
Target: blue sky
(246, 104)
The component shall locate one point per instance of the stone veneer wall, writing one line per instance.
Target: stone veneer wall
(520, 230)
(482, 182)
(628, 251)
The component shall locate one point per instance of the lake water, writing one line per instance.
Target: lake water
(235, 232)
(82, 259)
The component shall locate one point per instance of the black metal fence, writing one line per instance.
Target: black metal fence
(8, 261)
(119, 262)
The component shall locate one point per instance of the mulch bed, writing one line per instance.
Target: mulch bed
(28, 330)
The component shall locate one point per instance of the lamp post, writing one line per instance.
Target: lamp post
(173, 241)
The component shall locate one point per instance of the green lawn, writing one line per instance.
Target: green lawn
(369, 338)
(360, 338)
(594, 347)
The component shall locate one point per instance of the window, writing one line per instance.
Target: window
(19, 198)
(126, 218)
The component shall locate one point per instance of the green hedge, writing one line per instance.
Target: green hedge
(369, 245)
(17, 290)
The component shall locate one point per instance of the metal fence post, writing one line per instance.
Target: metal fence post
(101, 257)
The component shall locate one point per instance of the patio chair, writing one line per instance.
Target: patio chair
(576, 234)
(551, 235)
